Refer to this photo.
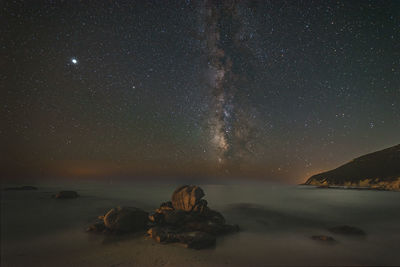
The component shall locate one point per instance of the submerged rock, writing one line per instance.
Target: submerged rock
(186, 197)
(126, 219)
(347, 230)
(323, 238)
(66, 194)
(21, 188)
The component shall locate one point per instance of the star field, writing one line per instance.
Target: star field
(130, 88)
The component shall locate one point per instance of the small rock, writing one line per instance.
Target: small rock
(126, 219)
(323, 238)
(186, 197)
(347, 230)
(66, 194)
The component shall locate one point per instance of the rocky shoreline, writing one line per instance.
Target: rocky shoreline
(379, 170)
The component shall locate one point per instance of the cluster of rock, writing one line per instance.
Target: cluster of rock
(186, 219)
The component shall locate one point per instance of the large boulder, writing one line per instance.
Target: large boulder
(66, 194)
(186, 197)
(126, 219)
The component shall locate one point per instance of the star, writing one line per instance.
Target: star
(74, 61)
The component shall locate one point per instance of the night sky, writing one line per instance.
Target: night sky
(277, 90)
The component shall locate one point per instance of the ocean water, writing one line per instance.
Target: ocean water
(277, 222)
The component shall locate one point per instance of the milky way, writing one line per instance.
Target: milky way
(230, 121)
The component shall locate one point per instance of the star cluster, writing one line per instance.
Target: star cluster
(272, 89)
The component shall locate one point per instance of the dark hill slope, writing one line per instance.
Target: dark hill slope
(380, 169)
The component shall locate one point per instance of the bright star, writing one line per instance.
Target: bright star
(74, 61)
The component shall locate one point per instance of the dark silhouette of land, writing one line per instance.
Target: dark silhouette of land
(377, 170)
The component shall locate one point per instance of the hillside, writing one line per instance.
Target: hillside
(379, 170)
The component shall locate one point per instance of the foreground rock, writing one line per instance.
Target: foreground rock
(347, 230)
(21, 188)
(187, 219)
(121, 220)
(379, 170)
(66, 194)
(126, 219)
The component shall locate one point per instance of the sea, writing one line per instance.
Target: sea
(277, 222)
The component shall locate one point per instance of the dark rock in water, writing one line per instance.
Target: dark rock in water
(98, 227)
(21, 188)
(126, 219)
(186, 197)
(197, 240)
(347, 230)
(323, 238)
(379, 170)
(66, 194)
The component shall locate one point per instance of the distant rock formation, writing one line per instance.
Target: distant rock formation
(66, 194)
(378, 170)
(21, 188)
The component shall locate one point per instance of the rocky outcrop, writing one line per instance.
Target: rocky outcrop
(378, 170)
(21, 188)
(187, 219)
(186, 197)
(66, 194)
